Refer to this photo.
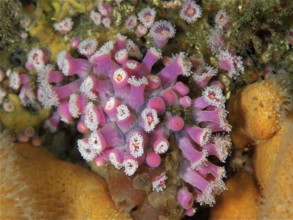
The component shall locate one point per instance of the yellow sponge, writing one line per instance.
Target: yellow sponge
(240, 201)
(20, 119)
(274, 171)
(255, 112)
(34, 185)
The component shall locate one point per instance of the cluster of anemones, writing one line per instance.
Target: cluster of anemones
(227, 61)
(5, 104)
(29, 135)
(147, 19)
(217, 38)
(127, 114)
(160, 31)
(19, 82)
(103, 15)
(22, 82)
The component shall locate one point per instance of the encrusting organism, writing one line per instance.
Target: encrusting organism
(262, 106)
(275, 174)
(35, 185)
(240, 201)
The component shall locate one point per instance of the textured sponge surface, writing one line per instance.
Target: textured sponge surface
(34, 185)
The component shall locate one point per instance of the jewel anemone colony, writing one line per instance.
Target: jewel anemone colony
(127, 111)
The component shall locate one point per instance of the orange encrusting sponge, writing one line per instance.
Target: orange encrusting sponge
(34, 185)
(274, 171)
(255, 112)
(240, 201)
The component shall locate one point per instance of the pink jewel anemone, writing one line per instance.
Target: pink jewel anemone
(128, 115)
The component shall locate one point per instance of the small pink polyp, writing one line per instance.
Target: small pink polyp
(185, 102)
(68, 89)
(93, 116)
(154, 82)
(36, 141)
(225, 126)
(86, 151)
(153, 159)
(112, 135)
(16, 80)
(161, 32)
(211, 96)
(36, 59)
(159, 183)
(107, 21)
(121, 56)
(158, 104)
(53, 122)
(77, 103)
(130, 165)
(100, 161)
(63, 111)
(21, 137)
(218, 84)
(116, 158)
(110, 107)
(30, 132)
(199, 135)
(190, 11)
(105, 9)
(203, 76)
(132, 67)
(175, 123)
(97, 142)
(125, 119)
(181, 88)
(136, 143)
(27, 96)
(190, 212)
(147, 16)
(192, 177)
(120, 78)
(151, 57)
(217, 116)
(77, 66)
(81, 126)
(185, 198)
(75, 42)
(87, 47)
(96, 17)
(133, 49)
(136, 98)
(131, 22)
(195, 157)
(222, 20)
(161, 145)
(210, 168)
(54, 76)
(141, 30)
(169, 96)
(179, 66)
(149, 119)
(120, 42)
(220, 147)
(103, 63)
(92, 87)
